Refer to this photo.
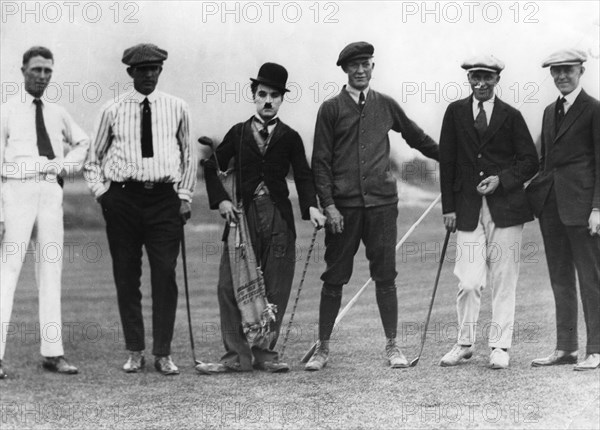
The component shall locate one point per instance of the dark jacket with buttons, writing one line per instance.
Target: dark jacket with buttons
(351, 155)
(285, 150)
(506, 150)
(570, 161)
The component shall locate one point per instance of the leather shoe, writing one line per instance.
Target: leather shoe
(59, 365)
(272, 366)
(135, 363)
(556, 358)
(396, 359)
(3, 374)
(164, 364)
(456, 354)
(591, 362)
(320, 357)
(499, 359)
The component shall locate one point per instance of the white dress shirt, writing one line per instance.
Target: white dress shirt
(19, 154)
(570, 98)
(488, 108)
(355, 94)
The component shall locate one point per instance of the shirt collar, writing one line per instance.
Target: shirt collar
(570, 98)
(139, 97)
(260, 120)
(29, 98)
(356, 93)
(487, 102)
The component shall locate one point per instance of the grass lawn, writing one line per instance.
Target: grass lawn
(356, 389)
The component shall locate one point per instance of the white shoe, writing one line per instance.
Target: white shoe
(457, 353)
(499, 359)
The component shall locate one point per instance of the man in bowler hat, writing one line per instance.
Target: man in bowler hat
(566, 198)
(352, 170)
(264, 148)
(142, 170)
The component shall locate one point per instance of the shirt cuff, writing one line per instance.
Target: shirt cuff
(185, 195)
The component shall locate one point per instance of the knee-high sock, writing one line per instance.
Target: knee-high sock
(387, 301)
(331, 299)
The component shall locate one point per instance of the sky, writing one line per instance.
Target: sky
(216, 47)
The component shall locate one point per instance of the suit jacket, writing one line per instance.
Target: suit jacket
(570, 160)
(506, 150)
(285, 149)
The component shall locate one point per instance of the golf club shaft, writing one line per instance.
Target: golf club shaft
(187, 293)
(289, 326)
(435, 286)
(364, 287)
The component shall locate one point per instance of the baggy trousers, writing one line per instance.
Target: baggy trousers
(274, 247)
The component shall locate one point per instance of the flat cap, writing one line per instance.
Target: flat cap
(355, 50)
(487, 63)
(144, 53)
(565, 57)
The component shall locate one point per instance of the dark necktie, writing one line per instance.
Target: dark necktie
(560, 113)
(361, 100)
(147, 150)
(264, 131)
(43, 141)
(481, 121)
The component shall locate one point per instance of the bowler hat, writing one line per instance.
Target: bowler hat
(272, 75)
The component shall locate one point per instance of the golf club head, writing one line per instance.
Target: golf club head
(206, 141)
(414, 362)
(200, 367)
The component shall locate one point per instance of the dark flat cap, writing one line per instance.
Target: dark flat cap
(487, 63)
(144, 54)
(355, 50)
(565, 57)
(272, 75)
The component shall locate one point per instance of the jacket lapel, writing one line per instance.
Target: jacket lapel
(278, 132)
(248, 138)
(499, 115)
(572, 114)
(466, 114)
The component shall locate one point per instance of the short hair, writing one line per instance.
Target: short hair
(34, 51)
(254, 87)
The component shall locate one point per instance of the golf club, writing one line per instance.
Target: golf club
(187, 295)
(414, 362)
(289, 326)
(344, 311)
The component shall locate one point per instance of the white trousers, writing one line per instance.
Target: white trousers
(28, 203)
(487, 255)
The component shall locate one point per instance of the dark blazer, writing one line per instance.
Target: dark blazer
(506, 150)
(570, 159)
(285, 150)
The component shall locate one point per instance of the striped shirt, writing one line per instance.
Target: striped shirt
(19, 154)
(116, 151)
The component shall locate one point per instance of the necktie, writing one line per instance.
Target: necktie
(147, 150)
(43, 141)
(361, 100)
(264, 131)
(481, 121)
(560, 112)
